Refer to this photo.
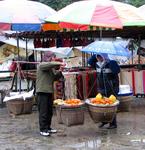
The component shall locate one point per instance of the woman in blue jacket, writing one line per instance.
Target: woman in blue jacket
(107, 79)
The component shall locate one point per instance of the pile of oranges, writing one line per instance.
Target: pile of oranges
(99, 99)
(72, 102)
(104, 101)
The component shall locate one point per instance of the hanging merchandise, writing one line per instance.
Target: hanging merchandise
(51, 42)
(59, 42)
(37, 43)
(67, 42)
(44, 43)
(80, 93)
(59, 89)
(85, 41)
(70, 85)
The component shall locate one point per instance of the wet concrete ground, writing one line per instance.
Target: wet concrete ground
(22, 132)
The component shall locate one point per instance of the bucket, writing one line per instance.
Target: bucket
(125, 102)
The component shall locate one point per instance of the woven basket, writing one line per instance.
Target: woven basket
(28, 103)
(20, 106)
(15, 106)
(58, 114)
(125, 103)
(69, 116)
(102, 113)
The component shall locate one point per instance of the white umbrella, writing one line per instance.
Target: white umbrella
(23, 15)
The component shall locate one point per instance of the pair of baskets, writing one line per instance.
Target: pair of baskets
(20, 106)
(74, 115)
(70, 115)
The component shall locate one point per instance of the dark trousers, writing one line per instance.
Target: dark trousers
(45, 108)
(114, 121)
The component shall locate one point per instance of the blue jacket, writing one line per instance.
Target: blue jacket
(92, 61)
(107, 76)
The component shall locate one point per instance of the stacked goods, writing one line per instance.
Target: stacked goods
(70, 111)
(102, 109)
(125, 97)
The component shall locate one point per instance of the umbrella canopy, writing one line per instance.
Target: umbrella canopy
(142, 10)
(23, 15)
(118, 48)
(102, 13)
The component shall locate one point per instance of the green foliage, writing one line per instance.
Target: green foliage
(58, 4)
(137, 3)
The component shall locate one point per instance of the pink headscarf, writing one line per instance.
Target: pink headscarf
(47, 56)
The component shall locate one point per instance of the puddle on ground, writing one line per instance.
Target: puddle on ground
(99, 143)
(88, 145)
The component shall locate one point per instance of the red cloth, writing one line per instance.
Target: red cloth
(52, 42)
(13, 66)
(80, 94)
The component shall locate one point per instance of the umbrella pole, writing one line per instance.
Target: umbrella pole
(27, 64)
(132, 55)
(139, 49)
(35, 55)
(41, 53)
(18, 47)
(18, 66)
(100, 38)
(26, 49)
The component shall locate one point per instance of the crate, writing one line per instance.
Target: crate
(69, 116)
(102, 113)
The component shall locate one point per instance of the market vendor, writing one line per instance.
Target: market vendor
(47, 73)
(107, 79)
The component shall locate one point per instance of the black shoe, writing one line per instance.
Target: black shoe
(112, 127)
(102, 124)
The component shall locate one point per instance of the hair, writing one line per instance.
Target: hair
(99, 55)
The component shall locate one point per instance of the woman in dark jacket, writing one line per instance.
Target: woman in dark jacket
(107, 80)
